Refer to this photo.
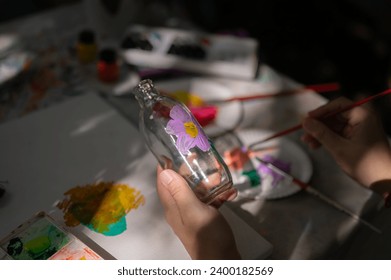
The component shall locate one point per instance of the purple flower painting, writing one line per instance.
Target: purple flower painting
(189, 134)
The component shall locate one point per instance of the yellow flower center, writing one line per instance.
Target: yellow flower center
(191, 129)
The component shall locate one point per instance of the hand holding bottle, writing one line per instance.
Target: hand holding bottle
(201, 228)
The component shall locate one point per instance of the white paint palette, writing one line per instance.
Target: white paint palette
(282, 150)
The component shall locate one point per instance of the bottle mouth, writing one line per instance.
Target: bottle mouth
(145, 91)
(146, 87)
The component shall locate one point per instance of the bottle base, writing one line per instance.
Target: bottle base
(211, 198)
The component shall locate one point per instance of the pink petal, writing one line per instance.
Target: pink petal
(178, 113)
(175, 127)
(184, 143)
(202, 142)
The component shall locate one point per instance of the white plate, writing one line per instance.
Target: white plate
(228, 115)
(282, 149)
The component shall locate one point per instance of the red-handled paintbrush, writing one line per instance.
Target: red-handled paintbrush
(332, 114)
(321, 88)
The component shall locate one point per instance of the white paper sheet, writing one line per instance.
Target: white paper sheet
(83, 141)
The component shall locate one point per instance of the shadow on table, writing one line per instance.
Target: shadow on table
(366, 244)
(302, 226)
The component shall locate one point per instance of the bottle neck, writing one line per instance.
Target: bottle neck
(145, 92)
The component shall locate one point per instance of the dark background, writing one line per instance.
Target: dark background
(345, 41)
(312, 41)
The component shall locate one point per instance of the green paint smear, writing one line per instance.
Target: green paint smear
(113, 229)
(255, 179)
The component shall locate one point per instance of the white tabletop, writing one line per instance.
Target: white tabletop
(299, 226)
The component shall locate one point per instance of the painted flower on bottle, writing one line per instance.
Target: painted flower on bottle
(189, 134)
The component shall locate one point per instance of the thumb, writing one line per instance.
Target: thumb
(324, 135)
(174, 192)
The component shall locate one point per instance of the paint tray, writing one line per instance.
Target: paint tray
(40, 238)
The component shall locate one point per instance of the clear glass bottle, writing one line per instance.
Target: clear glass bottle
(178, 142)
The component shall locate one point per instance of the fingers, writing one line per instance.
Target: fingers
(325, 136)
(175, 194)
(336, 124)
(330, 107)
(310, 141)
(358, 115)
(180, 203)
(174, 191)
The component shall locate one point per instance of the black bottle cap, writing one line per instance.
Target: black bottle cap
(108, 55)
(87, 37)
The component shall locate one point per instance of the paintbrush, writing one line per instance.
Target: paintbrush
(321, 88)
(331, 114)
(309, 189)
(206, 111)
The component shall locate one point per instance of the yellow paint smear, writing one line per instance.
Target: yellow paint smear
(99, 205)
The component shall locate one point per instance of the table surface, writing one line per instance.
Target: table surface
(299, 226)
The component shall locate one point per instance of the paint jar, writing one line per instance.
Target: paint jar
(86, 47)
(108, 68)
(179, 143)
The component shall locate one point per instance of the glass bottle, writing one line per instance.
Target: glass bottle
(179, 143)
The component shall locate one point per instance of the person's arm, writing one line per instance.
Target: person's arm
(356, 140)
(201, 228)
